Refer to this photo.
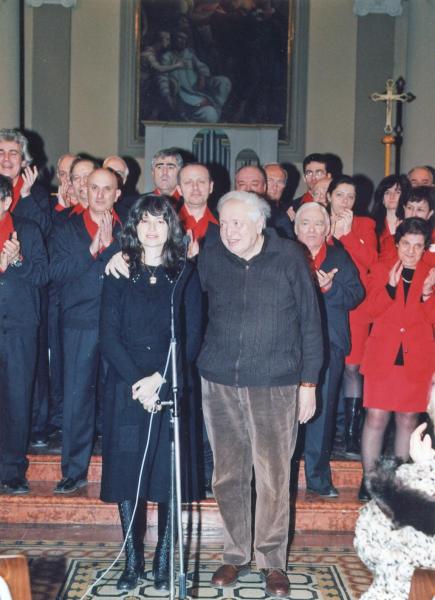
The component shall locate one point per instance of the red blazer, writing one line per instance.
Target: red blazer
(395, 323)
(362, 245)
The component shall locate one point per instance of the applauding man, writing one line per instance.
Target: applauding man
(80, 252)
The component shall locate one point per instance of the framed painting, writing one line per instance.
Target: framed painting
(207, 62)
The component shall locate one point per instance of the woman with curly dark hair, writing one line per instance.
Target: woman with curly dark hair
(135, 336)
(391, 192)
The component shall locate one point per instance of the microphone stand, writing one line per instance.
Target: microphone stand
(175, 492)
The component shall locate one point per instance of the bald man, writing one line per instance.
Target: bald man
(419, 176)
(79, 253)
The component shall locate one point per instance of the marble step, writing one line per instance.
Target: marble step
(46, 467)
(310, 512)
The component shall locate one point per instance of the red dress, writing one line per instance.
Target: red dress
(361, 244)
(396, 323)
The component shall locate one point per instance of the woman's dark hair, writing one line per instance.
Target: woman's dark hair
(5, 187)
(422, 193)
(173, 250)
(379, 212)
(416, 226)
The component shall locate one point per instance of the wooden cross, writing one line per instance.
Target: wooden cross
(389, 97)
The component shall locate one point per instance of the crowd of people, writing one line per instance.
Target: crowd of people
(288, 311)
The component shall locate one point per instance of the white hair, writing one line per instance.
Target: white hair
(309, 206)
(12, 135)
(259, 208)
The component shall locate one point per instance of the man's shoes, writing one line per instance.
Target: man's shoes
(17, 485)
(363, 494)
(68, 485)
(277, 583)
(330, 492)
(227, 575)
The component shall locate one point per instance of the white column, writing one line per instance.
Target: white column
(9, 63)
(419, 116)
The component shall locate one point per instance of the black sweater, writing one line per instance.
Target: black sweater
(263, 324)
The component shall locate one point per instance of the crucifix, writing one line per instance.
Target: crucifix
(389, 96)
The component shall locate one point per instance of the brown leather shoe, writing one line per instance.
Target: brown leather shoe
(227, 575)
(277, 583)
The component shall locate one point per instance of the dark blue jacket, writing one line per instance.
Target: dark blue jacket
(20, 286)
(78, 273)
(345, 294)
(36, 207)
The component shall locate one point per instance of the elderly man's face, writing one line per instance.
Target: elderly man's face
(11, 160)
(420, 176)
(312, 228)
(239, 231)
(79, 180)
(319, 191)
(276, 180)
(117, 164)
(165, 172)
(251, 179)
(102, 190)
(64, 167)
(195, 186)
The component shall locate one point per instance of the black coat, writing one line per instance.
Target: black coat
(77, 273)
(36, 207)
(20, 286)
(134, 339)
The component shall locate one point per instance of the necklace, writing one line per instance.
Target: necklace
(152, 279)
(406, 280)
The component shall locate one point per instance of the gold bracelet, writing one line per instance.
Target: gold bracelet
(308, 385)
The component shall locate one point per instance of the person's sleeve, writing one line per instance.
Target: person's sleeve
(111, 346)
(39, 208)
(193, 310)
(347, 290)
(34, 263)
(68, 260)
(362, 244)
(309, 315)
(202, 268)
(379, 299)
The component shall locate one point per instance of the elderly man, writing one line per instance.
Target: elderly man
(165, 166)
(320, 189)
(30, 199)
(65, 196)
(253, 178)
(276, 181)
(339, 290)
(23, 269)
(419, 176)
(79, 253)
(262, 349)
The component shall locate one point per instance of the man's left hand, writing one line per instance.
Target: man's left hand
(307, 403)
(29, 177)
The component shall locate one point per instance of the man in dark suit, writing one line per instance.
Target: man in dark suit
(23, 269)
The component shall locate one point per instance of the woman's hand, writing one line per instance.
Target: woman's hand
(428, 285)
(395, 274)
(343, 223)
(145, 390)
(420, 446)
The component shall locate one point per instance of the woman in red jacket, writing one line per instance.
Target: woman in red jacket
(399, 356)
(357, 235)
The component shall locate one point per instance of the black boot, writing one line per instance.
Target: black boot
(353, 426)
(363, 494)
(162, 553)
(134, 550)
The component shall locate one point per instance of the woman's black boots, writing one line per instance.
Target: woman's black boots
(134, 547)
(162, 553)
(353, 426)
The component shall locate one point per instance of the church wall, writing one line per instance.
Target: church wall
(9, 64)
(95, 77)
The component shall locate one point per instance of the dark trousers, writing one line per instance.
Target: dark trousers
(252, 427)
(56, 363)
(17, 370)
(320, 430)
(81, 358)
(40, 400)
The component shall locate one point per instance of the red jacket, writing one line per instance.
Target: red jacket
(395, 323)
